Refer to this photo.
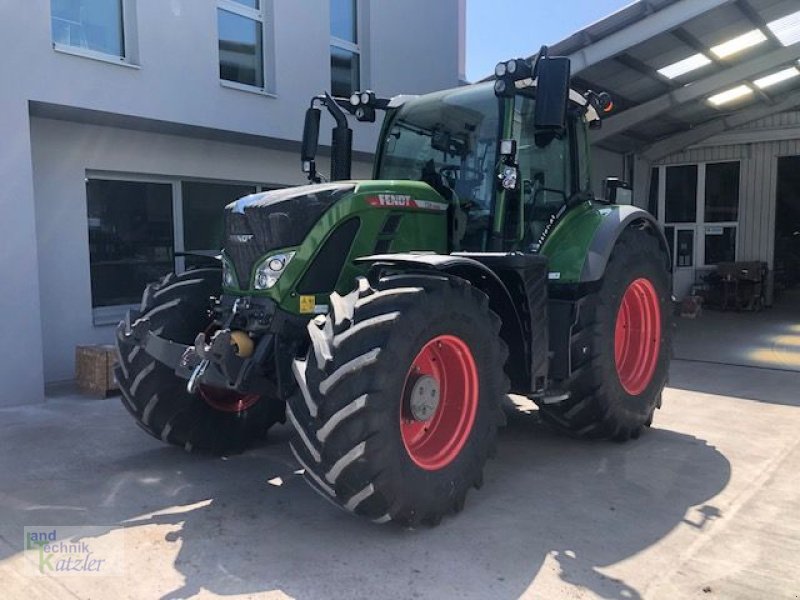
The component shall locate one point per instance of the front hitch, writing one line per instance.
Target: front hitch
(216, 364)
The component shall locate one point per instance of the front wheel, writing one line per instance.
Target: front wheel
(216, 420)
(399, 398)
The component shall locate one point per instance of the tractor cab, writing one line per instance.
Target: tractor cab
(451, 141)
(508, 155)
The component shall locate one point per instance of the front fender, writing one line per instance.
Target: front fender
(581, 243)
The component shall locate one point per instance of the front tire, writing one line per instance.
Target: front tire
(213, 420)
(399, 398)
(622, 345)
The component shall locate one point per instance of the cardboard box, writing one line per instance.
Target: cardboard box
(94, 369)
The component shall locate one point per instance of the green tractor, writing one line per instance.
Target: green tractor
(387, 319)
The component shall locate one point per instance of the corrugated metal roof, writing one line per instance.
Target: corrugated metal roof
(623, 53)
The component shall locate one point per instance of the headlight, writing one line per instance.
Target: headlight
(270, 269)
(228, 275)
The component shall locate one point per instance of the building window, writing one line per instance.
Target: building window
(720, 244)
(130, 238)
(95, 26)
(241, 41)
(140, 230)
(681, 194)
(722, 192)
(345, 51)
(701, 208)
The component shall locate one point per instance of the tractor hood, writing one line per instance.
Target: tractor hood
(259, 223)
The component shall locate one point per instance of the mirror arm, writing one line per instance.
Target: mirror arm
(341, 141)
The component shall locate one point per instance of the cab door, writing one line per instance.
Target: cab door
(547, 173)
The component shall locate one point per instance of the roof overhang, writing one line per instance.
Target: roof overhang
(683, 71)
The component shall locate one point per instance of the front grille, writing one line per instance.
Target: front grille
(256, 224)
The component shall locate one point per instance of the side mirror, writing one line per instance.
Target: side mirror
(552, 94)
(616, 191)
(308, 151)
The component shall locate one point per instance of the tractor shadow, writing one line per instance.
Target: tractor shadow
(249, 524)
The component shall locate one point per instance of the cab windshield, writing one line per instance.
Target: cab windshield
(449, 141)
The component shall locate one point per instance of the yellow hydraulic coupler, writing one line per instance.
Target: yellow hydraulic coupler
(244, 345)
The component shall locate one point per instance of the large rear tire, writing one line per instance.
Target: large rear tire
(214, 420)
(624, 340)
(399, 398)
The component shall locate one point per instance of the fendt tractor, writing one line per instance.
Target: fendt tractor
(387, 319)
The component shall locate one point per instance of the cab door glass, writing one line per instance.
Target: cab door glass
(544, 171)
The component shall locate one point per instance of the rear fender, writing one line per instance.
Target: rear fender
(501, 301)
(605, 238)
(581, 243)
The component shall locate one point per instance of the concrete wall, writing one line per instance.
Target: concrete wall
(410, 46)
(20, 328)
(172, 76)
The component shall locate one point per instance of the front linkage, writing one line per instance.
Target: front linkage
(225, 359)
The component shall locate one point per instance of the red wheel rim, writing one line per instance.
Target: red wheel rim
(637, 336)
(435, 442)
(223, 399)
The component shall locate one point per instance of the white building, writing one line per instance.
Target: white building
(128, 124)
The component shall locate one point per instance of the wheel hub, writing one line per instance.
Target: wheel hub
(637, 336)
(424, 398)
(439, 402)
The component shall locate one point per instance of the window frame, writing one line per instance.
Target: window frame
(111, 315)
(347, 45)
(699, 225)
(738, 190)
(129, 54)
(261, 16)
(698, 181)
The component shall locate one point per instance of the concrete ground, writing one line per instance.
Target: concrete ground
(704, 505)
(770, 338)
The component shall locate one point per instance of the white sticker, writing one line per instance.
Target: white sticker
(554, 275)
(321, 309)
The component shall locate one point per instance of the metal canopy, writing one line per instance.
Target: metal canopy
(658, 113)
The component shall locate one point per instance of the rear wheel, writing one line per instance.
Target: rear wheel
(399, 398)
(214, 419)
(622, 346)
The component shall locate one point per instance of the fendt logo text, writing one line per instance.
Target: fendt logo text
(403, 201)
(391, 200)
